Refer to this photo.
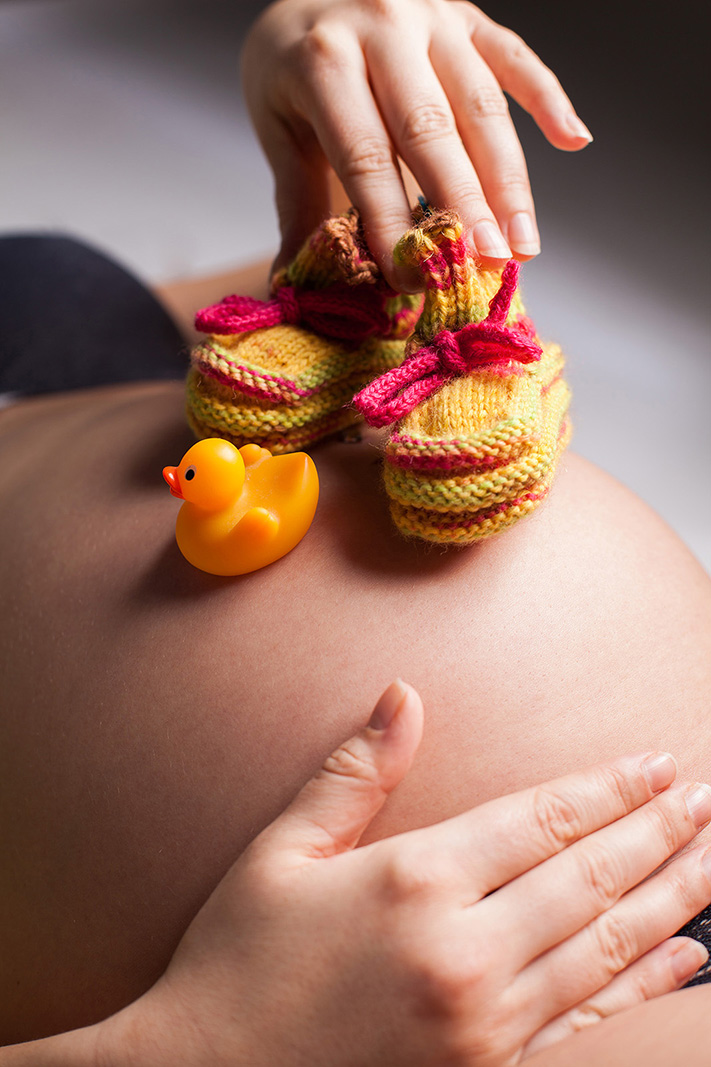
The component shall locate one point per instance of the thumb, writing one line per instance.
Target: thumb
(301, 189)
(333, 809)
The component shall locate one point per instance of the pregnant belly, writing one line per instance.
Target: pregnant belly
(156, 718)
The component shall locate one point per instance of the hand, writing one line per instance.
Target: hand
(358, 83)
(473, 942)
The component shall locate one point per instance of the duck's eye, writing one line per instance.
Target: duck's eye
(189, 474)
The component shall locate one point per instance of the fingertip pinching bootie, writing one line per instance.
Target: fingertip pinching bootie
(479, 406)
(282, 373)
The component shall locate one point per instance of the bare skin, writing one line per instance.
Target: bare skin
(157, 718)
(670, 1030)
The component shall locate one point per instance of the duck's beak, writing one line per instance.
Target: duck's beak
(171, 476)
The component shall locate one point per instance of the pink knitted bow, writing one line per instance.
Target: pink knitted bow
(450, 355)
(345, 312)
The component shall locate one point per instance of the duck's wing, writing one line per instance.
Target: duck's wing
(291, 473)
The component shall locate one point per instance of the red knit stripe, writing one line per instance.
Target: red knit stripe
(481, 516)
(452, 461)
(251, 389)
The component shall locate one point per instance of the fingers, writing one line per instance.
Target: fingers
(521, 73)
(423, 129)
(572, 889)
(666, 968)
(348, 124)
(591, 959)
(300, 182)
(501, 839)
(490, 139)
(333, 809)
(360, 86)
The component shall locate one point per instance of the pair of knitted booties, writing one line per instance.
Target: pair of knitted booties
(477, 404)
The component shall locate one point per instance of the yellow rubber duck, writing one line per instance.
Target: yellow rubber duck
(244, 508)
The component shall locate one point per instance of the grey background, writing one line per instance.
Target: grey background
(123, 123)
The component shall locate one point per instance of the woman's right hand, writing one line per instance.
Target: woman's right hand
(474, 942)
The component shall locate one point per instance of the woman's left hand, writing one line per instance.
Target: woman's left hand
(473, 942)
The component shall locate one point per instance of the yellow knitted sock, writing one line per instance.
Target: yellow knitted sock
(480, 405)
(282, 373)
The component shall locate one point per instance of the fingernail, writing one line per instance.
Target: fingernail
(489, 242)
(578, 128)
(698, 801)
(388, 706)
(660, 770)
(687, 959)
(522, 234)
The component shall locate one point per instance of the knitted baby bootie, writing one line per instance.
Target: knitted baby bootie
(479, 405)
(280, 373)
